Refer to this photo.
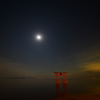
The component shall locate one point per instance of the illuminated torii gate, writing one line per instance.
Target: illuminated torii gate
(60, 74)
(65, 85)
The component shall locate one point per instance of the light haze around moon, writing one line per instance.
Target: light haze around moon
(38, 37)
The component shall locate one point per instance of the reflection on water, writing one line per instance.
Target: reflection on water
(60, 94)
(78, 90)
(34, 89)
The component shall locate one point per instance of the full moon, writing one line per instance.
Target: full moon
(38, 37)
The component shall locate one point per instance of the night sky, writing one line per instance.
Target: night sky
(71, 38)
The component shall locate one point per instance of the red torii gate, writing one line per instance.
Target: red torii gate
(60, 74)
(65, 83)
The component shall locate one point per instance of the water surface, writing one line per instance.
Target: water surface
(42, 89)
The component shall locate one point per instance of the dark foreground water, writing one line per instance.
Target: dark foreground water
(40, 89)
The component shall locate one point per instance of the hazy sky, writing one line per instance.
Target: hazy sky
(71, 37)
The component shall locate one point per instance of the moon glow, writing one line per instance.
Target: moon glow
(38, 37)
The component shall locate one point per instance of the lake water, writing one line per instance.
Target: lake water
(42, 89)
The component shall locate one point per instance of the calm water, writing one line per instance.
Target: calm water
(34, 89)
